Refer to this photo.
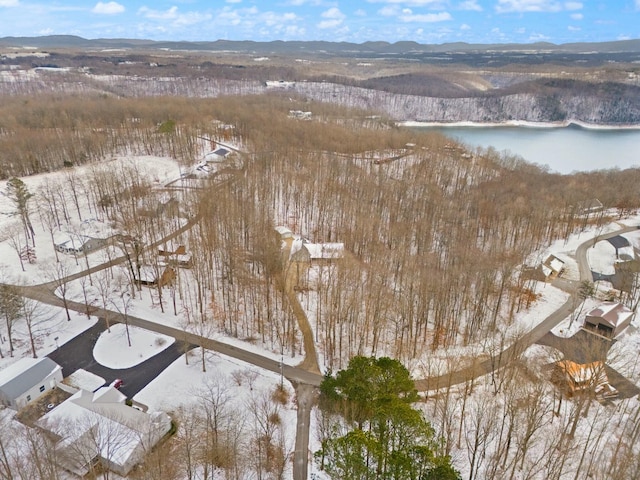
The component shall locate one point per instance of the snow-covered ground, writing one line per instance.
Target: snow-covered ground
(124, 347)
(182, 383)
(159, 169)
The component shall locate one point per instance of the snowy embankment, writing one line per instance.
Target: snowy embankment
(518, 123)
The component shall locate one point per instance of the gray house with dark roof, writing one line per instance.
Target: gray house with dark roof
(26, 380)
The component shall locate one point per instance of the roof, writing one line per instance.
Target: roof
(223, 152)
(611, 313)
(148, 273)
(317, 251)
(581, 373)
(90, 421)
(554, 263)
(24, 374)
(82, 379)
(285, 232)
(171, 248)
(70, 241)
(325, 250)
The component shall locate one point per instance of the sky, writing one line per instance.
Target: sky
(422, 21)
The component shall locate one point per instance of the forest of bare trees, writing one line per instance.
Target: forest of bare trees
(434, 235)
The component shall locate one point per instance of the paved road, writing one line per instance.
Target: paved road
(306, 396)
(78, 353)
(534, 335)
(582, 347)
(301, 377)
(294, 374)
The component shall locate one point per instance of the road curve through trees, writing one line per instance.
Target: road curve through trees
(307, 376)
(521, 344)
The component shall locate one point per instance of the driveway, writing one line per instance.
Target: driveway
(78, 353)
(582, 347)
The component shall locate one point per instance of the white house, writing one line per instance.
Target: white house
(552, 266)
(302, 250)
(28, 379)
(99, 428)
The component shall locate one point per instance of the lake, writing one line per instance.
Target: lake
(562, 149)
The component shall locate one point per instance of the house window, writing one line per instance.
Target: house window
(42, 388)
(28, 398)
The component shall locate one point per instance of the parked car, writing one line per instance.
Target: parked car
(117, 383)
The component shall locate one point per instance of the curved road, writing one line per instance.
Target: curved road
(531, 337)
(306, 376)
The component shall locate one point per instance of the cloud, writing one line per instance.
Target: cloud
(109, 8)
(464, 26)
(332, 18)
(9, 3)
(471, 5)
(389, 11)
(252, 23)
(508, 6)
(298, 3)
(538, 37)
(277, 19)
(411, 3)
(233, 1)
(573, 5)
(409, 16)
(174, 17)
(158, 14)
(571, 28)
(638, 4)
(577, 16)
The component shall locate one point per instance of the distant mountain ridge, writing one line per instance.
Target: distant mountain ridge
(331, 48)
(589, 83)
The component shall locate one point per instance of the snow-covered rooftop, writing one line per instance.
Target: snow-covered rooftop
(612, 313)
(101, 424)
(325, 250)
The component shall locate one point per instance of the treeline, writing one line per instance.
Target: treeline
(46, 133)
(149, 64)
(427, 94)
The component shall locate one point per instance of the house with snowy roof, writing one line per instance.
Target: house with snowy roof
(174, 254)
(152, 276)
(608, 319)
(98, 429)
(574, 378)
(552, 266)
(28, 379)
(218, 155)
(76, 244)
(304, 255)
(88, 236)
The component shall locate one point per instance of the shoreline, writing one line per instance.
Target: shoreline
(516, 123)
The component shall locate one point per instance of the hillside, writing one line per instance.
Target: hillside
(591, 83)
